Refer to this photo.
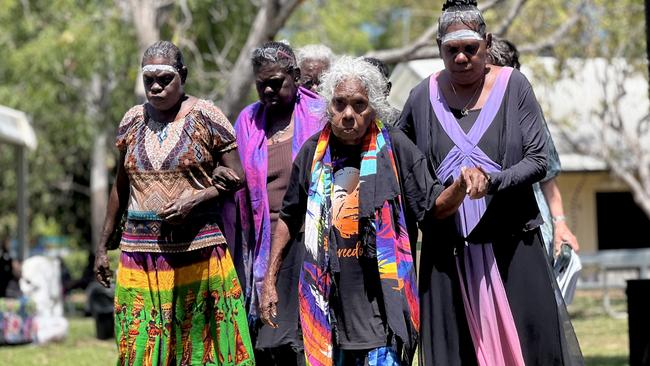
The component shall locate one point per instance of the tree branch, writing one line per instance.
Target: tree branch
(515, 10)
(270, 18)
(624, 152)
(423, 47)
(187, 16)
(556, 37)
(489, 5)
(420, 49)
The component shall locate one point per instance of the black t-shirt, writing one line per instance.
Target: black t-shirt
(361, 319)
(358, 302)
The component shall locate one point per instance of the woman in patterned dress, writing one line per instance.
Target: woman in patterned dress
(175, 276)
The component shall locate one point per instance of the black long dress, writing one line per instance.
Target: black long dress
(510, 223)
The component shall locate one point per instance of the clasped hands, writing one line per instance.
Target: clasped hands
(223, 179)
(475, 181)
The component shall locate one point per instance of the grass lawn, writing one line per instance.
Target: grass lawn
(603, 339)
(80, 348)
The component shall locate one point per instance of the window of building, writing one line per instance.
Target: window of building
(621, 223)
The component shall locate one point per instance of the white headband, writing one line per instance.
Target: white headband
(157, 67)
(461, 35)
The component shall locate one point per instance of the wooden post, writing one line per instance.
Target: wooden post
(22, 204)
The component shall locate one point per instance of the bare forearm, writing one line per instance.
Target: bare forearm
(553, 197)
(281, 238)
(113, 212)
(117, 203)
(230, 160)
(449, 200)
(205, 195)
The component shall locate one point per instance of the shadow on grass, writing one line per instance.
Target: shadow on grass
(606, 361)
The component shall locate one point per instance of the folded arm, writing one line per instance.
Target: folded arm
(178, 210)
(532, 167)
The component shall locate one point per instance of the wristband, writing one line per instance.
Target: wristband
(488, 177)
(559, 218)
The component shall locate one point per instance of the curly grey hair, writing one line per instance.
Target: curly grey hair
(317, 52)
(346, 68)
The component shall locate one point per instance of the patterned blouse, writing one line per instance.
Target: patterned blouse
(165, 162)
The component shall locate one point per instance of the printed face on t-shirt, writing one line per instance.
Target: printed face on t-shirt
(345, 202)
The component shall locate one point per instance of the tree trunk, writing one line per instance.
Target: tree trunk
(270, 18)
(98, 186)
(23, 203)
(144, 15)
(241, 75)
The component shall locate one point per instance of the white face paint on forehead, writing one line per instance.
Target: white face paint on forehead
(159, 67)
(461, 34)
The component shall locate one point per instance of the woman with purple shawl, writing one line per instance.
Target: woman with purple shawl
(270, 133)
(351, 187)
(486, 289)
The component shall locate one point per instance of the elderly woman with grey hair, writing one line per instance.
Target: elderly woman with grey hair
(313, 60)
(350, 187)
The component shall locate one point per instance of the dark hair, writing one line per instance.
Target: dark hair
(379, 64)
(504, 53)
(274, 53)
(167, 50)
(459, 4)
(461, 11)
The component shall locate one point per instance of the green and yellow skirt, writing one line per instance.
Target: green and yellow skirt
(180, 309)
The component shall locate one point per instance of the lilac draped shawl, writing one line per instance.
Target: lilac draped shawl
(487, 309)
(252, 201)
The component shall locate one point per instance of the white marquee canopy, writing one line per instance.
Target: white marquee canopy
(16, 130)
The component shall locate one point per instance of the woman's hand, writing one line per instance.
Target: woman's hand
(176, 212)
(102, 267)
(476, 180)
(562, 234)
(269, 302)
(225, 179)
(117, 204)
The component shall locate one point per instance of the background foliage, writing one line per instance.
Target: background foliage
(71, 65)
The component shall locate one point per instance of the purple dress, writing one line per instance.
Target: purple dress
(513, 145)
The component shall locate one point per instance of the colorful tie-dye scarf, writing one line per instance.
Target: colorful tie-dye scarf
(253, 201)
(383, 234)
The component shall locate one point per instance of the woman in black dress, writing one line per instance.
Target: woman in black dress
(486, 294)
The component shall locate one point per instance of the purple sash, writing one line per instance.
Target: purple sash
(253, 202)
(490, 320)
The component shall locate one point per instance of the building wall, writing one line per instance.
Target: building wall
(579, 197)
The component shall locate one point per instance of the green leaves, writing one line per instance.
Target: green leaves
(53, 50)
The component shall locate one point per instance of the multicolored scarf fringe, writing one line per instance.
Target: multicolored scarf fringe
(386, 231)
(253, 202)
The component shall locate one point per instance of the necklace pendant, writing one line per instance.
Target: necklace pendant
(464, 112)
